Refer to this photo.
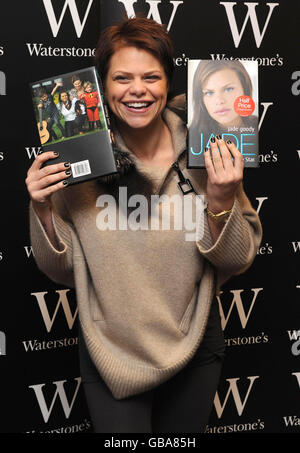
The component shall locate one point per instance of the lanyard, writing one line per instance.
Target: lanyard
(184, 184)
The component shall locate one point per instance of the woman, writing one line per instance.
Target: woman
(78, 90)
(151, 345)
(78, 93)
(47, 105)
(70, 111)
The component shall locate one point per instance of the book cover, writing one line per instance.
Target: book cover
(222, 98)
(72, 119)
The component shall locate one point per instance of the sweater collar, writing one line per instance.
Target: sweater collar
(178, 133)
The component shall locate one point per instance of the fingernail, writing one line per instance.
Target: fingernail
(55, 153)
(229, 142)
(213, 139)
(67, 165)
(68, 172)
(206, 149)
(219, 137)
(65, 182)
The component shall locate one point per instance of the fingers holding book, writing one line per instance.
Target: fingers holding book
(224, 157)
(43, 181)
(224, 164)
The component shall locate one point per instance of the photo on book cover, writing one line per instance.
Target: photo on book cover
(72, 119)
(222, 99)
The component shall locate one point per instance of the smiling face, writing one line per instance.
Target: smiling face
(77, 84)
(136, 87)
(220, 90)
(64, 97)
(88, 88)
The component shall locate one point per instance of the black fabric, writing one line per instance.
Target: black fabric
(213, 343)
(181, 405)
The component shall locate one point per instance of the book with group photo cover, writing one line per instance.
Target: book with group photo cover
(222, 99)
(72, 119)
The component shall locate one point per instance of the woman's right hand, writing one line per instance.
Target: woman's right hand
(43, 182)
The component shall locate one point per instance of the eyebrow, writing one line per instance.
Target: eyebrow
(223, 86)
(128, 73)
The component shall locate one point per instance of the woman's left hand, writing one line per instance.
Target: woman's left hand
(225, 166)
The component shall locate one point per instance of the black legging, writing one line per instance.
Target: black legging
(181, 405)
(71, 125)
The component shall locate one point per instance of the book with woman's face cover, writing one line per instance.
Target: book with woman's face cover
(222, 97)
(72, 119)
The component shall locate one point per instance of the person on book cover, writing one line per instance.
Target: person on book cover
(216, 86)
(151, 345)
(78, 93)
(50, 112)
(78, 90)
(69, 110)
(92, 103)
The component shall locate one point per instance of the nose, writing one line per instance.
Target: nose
(219, 98)
(137, 87)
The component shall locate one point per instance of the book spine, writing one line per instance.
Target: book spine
(104, 105)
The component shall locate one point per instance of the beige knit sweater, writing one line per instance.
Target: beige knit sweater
(144, 295)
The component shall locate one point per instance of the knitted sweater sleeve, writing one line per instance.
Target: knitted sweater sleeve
(236, 247)
(57, 264)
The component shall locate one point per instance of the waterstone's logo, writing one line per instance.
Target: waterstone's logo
(166, 213)
(32, 151)
(236, 394)
(56, 18)
(60, 394)
(239, 392)
(57, 306)
(55, 23)
(250, 16)
(153, 11)
(238, 302)
(296, 246)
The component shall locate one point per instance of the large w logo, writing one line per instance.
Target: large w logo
(60, 393)
(237, 301)
(153, 12)
(251, 15)
(55, 23)
(62, 301)
(79, 24)
(234, 390)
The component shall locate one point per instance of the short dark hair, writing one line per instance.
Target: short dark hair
(138, 32)
(42, 92)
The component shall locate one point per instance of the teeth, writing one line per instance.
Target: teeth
(137, 105)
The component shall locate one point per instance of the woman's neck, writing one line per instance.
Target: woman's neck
(152, 144)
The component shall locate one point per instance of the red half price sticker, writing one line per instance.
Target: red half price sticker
(244, 105)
